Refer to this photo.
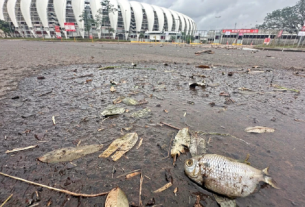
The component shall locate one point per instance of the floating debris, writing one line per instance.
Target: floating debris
(121, 146)
(226, 176)
(259, 130)
(116, 198)
(69, 153)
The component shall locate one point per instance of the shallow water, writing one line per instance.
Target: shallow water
(77, 104)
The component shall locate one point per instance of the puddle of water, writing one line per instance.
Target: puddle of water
(77, 104)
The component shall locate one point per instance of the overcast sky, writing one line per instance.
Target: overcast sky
(245, 13)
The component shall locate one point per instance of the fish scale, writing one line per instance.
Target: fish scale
(225, 176)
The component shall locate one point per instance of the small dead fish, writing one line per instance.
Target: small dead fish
(226, 176)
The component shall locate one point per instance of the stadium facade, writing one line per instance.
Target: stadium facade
(129, 19)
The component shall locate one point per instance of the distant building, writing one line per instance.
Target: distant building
(37, 18)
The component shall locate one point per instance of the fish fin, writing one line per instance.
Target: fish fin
(271, 182)
(266, 171)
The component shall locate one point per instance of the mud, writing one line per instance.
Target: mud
(77, 103)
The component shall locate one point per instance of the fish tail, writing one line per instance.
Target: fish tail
(271, 182)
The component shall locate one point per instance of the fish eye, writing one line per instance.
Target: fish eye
(189, 162)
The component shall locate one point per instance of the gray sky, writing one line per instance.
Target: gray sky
(246, 13)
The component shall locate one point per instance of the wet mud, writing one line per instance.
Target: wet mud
(77, 94)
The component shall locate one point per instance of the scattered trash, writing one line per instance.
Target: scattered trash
(131, 175)
(175, 191)
(204, 51)
(224, 202)
(112, 110)
(142, 113)
(284, 88)
(182, 140)
(55, 189)
(163, 188)
(216, 175)
(197, 145)
(116, 198)
(197, 203)
(21, 149)
(249, 49)
(259, 130)
(193, 85)
(140, 143)
(41, 78)
(112, 89)
(53, 119)
(6, 200)
(202, 66)
(130, 101)
(121, 146)
(69, 153)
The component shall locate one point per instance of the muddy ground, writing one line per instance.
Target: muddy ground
(75, 91)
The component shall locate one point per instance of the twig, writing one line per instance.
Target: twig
(140, 192)
(21, 149)
(55, 189)
(128, 173)
(169, 125)
(299, 120)
(6, 200)
(224, 135)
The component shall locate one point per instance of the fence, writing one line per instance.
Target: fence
(273, 38)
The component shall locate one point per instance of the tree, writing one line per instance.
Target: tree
(290, 19)
(102, 17)
(88, 20)
(141, 36)
(5, 27)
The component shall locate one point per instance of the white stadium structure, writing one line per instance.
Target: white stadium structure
(38, 18)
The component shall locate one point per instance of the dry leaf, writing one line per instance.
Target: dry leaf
(69, 153)
(182, 140)
(132, 175)
(165, 111)
(112, 89)
(140, 143)
(53, 119)
(259, 130)
(116, 198)
(123, 145)
(163, 188)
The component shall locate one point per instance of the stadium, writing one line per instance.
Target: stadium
(127, 20)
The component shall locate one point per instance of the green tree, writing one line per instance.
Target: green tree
(88, 20)
(141, 36)
(290, 19)
(5, 27)
(102, 17)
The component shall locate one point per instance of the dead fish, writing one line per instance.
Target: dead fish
(226, 176)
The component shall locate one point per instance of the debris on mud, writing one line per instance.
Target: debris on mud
(131, 175)
(116, 198)
(112, 89)
(69, 153)
(121, 146)
(112, 110)
(163, 188)
(181, 140)
(203, 66)
(224, 202)
(284, 88)
(259, 130)
(197, 203)
(144, 113)
(204, 51)
(21, 149)
(130, 101)
(197, 145)
(193, 85)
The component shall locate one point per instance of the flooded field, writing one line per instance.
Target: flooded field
(77, 94)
